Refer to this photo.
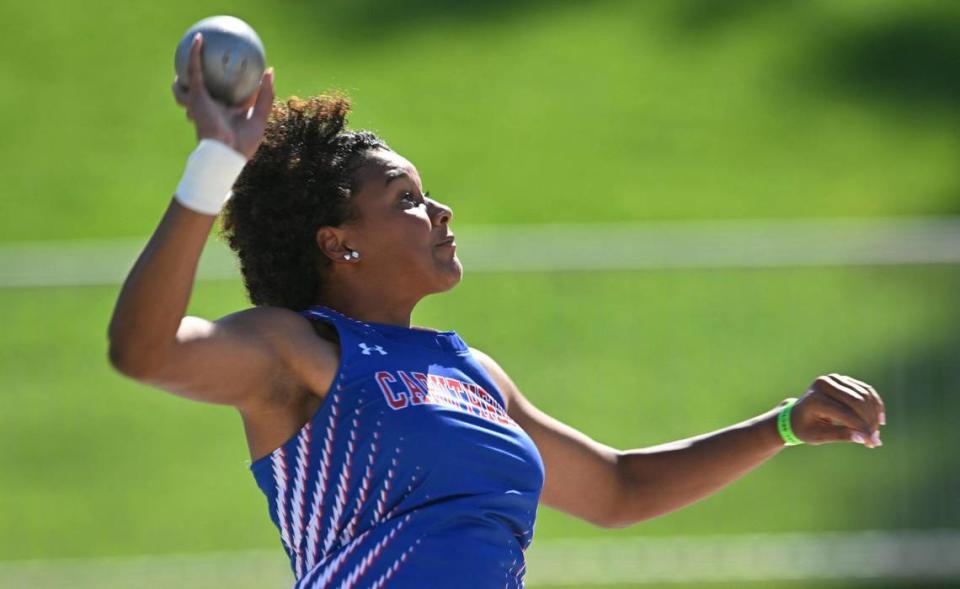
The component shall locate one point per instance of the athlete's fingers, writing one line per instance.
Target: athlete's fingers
(868, 408)
(250, 125)
(874, 406)
(849, 398)
(837, 382)
(182, 96)
(243, 112)
(195, 67)
(876, 395)
(266, 93)
(838, 422)
(263, 102)
(180, 93)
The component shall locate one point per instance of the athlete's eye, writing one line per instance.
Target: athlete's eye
(411, 197)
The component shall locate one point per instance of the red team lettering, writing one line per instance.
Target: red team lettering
(395, 402)
(417, 388)
(418, 394)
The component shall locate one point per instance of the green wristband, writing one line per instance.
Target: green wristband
(783, 424)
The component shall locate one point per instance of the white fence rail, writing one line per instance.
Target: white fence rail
(907, 556)
(530, 248)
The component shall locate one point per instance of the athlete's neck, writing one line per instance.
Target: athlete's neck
(365, 306)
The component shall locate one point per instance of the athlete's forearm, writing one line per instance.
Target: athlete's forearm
(155, 294)
(664, 478)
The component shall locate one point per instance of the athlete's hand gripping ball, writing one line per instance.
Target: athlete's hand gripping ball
(240, 127)
(838, 408)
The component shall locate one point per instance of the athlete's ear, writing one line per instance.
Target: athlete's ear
(330, 242)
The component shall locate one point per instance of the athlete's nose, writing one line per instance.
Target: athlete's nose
(440, 213)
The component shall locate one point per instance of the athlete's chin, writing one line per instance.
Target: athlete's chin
(450, 272)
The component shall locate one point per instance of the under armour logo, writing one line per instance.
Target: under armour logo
(368, 349)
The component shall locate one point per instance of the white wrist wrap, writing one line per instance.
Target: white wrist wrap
(211, 170)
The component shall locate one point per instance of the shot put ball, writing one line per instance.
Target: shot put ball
(232, 58)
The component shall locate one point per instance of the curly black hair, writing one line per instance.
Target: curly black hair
(300, 179)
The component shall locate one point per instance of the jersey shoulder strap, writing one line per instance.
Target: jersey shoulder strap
(355, 336)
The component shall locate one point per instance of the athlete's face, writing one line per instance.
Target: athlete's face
(402, 235)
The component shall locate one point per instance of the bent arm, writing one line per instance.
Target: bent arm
(835, 408)
(156, 292)
(152, 341)
(150, 338)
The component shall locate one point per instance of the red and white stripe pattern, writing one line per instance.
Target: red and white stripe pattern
(302, 526)
(364, 488)
(380, 582)
(343, 487)
(279, 462)
(319, 576)
(373, 554)
(320, 486)
(406, 493)
(322, 576)
(308, 574)
(299, 488)
(381, 504)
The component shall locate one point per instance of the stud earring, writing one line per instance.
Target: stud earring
(351, 256)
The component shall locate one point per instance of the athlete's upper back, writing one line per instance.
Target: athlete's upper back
(410, 472)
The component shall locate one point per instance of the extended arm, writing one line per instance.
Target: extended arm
(614, 488)
(664, 478)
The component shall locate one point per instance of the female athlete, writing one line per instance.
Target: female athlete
(389, 455)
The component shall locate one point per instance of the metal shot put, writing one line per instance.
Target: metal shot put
(232, 56)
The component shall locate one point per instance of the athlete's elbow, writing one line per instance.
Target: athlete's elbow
(630, 507)
(625, 521)
(615, 516)
(615, 519)
(124, 362)
(608, 523)
(132, 361)
(625, 518)
(130, 354)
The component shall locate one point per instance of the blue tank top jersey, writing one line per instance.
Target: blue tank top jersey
(410, 474)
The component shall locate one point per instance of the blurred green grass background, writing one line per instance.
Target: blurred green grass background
(514, 112)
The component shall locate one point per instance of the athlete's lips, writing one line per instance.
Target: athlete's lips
(447, 241)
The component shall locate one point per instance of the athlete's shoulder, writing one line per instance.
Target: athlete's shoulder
(265, 319)
(481, 357)
(286, 329)
(309, 354)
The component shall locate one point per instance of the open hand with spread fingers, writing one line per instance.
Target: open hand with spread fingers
(838, 408)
